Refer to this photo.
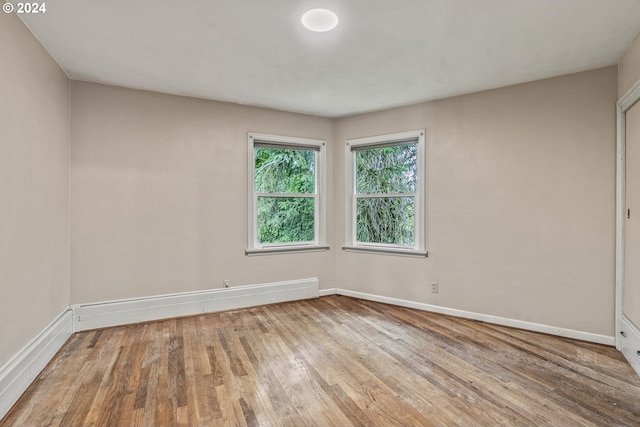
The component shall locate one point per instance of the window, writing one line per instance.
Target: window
(385, 194)
(286, 194)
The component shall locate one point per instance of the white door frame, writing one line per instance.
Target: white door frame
(627, 101)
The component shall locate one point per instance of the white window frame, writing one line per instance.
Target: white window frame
(351, 244)
(254, 247)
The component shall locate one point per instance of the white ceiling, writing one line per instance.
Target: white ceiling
(382, 54)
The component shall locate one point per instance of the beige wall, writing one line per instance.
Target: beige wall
(629, 67)
(34, 187)
(520, 203)
(520, 222)
(159, 194)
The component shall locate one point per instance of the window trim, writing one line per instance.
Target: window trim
(319, 243)
(351, 244)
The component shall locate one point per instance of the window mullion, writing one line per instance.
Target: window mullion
(255, 219)
(354, 201)
(384, 195)
(287, 195)
(316, 219)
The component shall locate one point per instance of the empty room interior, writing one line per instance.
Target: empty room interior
(320, 212)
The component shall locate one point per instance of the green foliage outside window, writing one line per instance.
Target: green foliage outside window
(380, 171)
(285, 171)
(284, 220)
(388, 220)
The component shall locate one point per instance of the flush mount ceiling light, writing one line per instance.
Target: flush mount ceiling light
(320, 20)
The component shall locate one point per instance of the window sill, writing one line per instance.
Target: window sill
(286, 250)
(387, 251)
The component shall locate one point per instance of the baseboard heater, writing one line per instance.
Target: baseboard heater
(135, 310)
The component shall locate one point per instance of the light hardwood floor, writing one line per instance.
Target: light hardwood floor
(329, 361)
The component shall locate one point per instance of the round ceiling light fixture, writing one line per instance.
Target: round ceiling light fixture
(320, 20)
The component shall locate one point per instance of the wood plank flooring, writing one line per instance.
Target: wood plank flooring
(332, 361)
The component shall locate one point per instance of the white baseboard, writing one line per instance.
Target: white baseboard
(325, 292)
(630, 343)
(521, 324)
(19, 372)
(120, 312)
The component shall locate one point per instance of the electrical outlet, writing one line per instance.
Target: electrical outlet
(434, 287)
(226, 283)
